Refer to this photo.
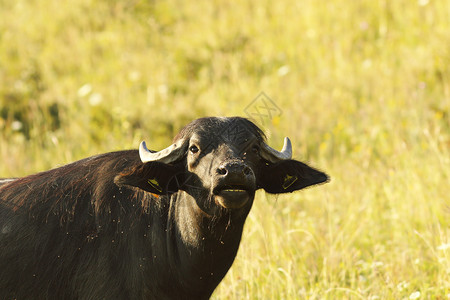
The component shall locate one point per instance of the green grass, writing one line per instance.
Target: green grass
(364, 87)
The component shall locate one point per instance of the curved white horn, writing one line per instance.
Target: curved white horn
(168, 155)
(273, 155)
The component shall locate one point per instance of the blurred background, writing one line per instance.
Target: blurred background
(362, 88)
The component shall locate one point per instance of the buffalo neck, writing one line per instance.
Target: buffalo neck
(206, 243)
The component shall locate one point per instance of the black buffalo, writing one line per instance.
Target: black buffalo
(141, 224)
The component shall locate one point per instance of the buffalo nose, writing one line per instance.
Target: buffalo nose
(233, 168)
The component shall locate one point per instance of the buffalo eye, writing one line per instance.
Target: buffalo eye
(255, 149)
(194, 149)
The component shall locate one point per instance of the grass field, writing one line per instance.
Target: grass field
(364, 90)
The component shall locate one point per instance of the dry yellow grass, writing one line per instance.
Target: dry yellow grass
(364, 89)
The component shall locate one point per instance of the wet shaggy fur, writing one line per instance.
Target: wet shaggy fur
(66, 232)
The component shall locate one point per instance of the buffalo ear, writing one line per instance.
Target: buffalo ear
(154, 177)
(288, 176)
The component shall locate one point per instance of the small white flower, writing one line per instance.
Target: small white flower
(415, 295)
(444, 246)
(84, 90)
(16, 125)
(282, 71)
(402, 286)
(95, 99)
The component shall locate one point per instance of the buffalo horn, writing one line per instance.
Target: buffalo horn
(273, 155)
(171, 154)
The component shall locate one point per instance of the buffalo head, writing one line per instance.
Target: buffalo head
(221, 162)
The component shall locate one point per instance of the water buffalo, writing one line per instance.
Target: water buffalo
(141, 224)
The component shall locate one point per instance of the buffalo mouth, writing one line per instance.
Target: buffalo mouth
(232, 196)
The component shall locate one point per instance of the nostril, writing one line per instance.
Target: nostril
(246, 171)
(222, 171)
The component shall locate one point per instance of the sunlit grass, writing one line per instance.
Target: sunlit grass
(364, 89)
